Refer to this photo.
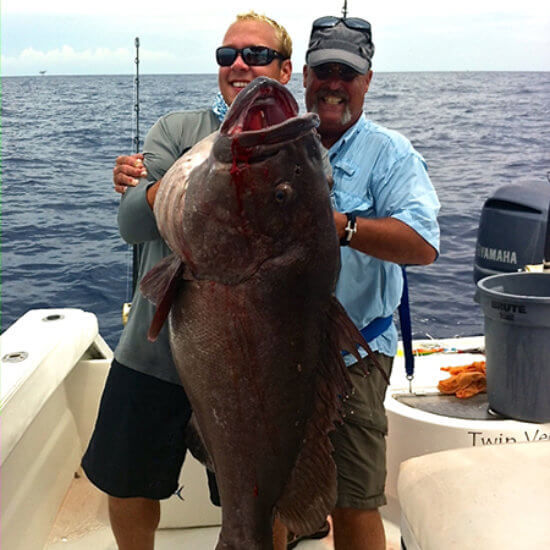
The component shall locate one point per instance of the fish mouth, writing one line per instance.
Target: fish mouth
(265, 113)
(262, 104)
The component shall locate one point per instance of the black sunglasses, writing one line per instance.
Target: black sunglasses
(252, 55)
(354, 23)
(327, 70)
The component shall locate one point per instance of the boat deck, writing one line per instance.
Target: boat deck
(82, 523)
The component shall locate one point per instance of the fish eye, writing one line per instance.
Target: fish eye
(283, 193)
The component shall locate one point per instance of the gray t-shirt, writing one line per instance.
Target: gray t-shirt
(167, 140)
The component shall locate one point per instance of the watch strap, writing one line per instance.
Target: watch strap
(350, 229)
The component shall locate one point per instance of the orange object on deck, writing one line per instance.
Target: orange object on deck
(465, 381)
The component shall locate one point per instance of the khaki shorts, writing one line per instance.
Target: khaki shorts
(360, 442)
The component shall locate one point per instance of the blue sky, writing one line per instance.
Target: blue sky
(64, 37)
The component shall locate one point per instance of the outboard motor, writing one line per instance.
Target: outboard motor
(514, 230)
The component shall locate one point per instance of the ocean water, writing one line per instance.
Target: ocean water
(61, 135)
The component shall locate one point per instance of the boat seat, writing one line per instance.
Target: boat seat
(37, 352)
(490, 497)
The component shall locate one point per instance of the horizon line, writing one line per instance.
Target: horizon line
(45, 74)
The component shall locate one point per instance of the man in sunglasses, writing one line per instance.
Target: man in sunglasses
(386, 216)
(138, 446)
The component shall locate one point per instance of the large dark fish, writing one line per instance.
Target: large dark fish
(255, 331)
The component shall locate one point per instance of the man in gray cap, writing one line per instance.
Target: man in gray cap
(385, 212)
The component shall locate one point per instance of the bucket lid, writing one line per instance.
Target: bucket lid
(527, 287)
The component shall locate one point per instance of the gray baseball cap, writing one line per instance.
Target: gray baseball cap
(336, 40)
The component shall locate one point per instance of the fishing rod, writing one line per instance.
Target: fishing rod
(136, 249)
(136, 104)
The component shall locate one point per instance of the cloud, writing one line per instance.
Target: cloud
(67, 60)
(413, 37)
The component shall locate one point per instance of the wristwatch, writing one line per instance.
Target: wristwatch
(350, 229)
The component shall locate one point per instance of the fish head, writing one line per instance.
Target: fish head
(262, 197)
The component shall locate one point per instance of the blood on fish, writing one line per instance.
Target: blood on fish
(243, 155)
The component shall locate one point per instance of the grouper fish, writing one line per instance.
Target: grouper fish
(255, 330)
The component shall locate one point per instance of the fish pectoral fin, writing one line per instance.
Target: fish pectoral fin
(349, 337)
(160, 280)
(160, 286)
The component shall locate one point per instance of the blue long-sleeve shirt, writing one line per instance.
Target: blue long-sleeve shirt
(378, 174)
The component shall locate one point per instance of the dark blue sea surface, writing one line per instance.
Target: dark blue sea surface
(61, 135)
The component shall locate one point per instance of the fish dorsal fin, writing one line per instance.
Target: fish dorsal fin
(160, 286)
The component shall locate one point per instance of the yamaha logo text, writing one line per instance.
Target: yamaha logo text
(497, 255)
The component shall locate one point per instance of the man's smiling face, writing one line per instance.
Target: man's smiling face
(337, 99)
(234, 78)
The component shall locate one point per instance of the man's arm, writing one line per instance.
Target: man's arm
(136, 221)
(403, 225)
(387, 239)
(161, 146)
(152, 193)
(135, 215)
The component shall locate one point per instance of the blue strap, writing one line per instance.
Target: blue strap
(406, 332)
(374, 328)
